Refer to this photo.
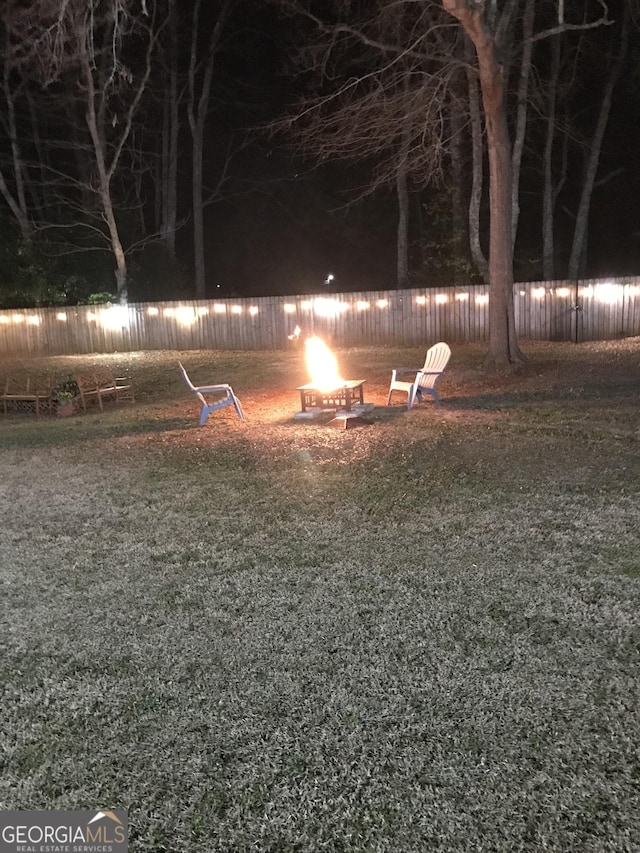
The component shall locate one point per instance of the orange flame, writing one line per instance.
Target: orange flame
(322, 365)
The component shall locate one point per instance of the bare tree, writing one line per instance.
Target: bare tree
(485, 35)
(15, 196)
(200, 83)
(524, 69)
(477, 164)
(551, 184)
(490, 26)
(619, 53)
(360, 54)
(379, 76)
(107, 47)
(167, 192)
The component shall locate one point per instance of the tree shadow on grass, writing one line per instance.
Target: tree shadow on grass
(80, 430)
(588, 393)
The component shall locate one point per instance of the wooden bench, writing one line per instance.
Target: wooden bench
(27, 395)
(100, 384)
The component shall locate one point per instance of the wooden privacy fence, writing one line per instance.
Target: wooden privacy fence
(559, 311)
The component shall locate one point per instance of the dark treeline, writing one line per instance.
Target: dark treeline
(157, 148)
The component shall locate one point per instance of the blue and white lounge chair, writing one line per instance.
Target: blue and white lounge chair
(222, 396)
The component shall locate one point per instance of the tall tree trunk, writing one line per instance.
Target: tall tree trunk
(121, 271)
(459, 228)
(402, 190)
(37, 188)
(521, 114)
(578, 247)
(198, 217)
(477, 170)
(548, 196)
(16, 200)
(170, 142)
(403, 227)
(14, 207)
(503, 341)
(104, 186)
(197, 111)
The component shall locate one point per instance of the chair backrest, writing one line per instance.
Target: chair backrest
(437, 358)
(86, 381)
(103, 377)
(185, 376)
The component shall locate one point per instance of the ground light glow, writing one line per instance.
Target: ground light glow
(322, 365)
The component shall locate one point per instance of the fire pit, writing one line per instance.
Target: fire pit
(327, 391)
(351, 391)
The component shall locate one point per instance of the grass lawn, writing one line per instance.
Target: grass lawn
(418, 635)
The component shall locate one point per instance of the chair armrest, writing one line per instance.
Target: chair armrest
(204, 388)
(397, 370)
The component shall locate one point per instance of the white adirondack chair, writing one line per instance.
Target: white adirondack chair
(425, 378)
(223, 396)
